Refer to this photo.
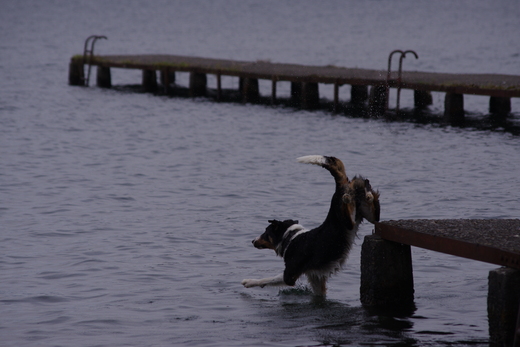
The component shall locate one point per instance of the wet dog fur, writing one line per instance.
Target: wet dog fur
(320, 252)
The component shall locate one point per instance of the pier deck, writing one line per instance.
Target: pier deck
(495, 241)
(387, 275)
(478, 84)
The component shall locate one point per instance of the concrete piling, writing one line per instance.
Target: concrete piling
(296, 93)
(503, 305)
(249, 89)
(310, 96)
(378, 100)
(76, 73)
(149, 81)
(422, 98)
(454, 108)
(499, 106)
(167, 78)
(358, 95)
(198, 83)
(386, 274)
(103, 77)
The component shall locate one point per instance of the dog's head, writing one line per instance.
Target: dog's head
(367, 200)
(273, 234)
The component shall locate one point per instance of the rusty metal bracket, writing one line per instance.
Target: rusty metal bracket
(88, 53)
(400, 71)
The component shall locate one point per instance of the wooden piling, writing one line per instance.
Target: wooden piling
(103, 77)
(149, 81)
(386, 274)
(198, 84)
(503, 305)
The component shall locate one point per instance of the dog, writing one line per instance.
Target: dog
(320, 252)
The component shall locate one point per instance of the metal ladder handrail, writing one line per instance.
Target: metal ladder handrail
(399, 74)
(89, 53)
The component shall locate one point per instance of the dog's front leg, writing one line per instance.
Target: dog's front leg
(270, 281)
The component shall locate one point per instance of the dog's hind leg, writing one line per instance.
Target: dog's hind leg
(270, 281)
(318, 284)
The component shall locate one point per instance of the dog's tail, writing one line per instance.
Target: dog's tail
(333, 164)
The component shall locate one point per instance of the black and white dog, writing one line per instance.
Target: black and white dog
(320, 252)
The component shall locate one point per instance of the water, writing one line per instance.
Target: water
(126, 218)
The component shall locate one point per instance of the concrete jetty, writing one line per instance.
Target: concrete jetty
(386, 264)
(305, 80)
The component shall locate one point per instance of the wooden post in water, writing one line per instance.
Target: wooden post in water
(103, 77)
(358, 95)
(454, 108)
(386, 274)
(503, 304)
(149, 81)
(310, 96)
(76, 73)
(198, 83)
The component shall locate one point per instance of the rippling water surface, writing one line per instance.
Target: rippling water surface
(126, 218)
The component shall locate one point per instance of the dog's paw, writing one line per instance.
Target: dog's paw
(248, 283)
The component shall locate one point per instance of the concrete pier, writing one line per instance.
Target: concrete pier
(305, 81)
(494, 241)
